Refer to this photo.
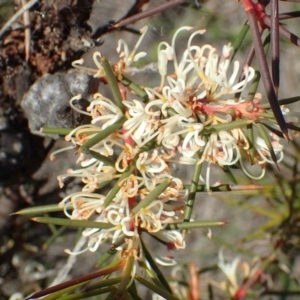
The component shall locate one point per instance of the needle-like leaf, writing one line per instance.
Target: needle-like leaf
(275, 44)
(73, 283)
(262, 61)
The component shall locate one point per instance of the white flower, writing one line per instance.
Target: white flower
(192, 141)
(127, 154)
(17, 296)
(122, 221)
(264, 152)
(170, 135)
(141, 126)
(116, 215)
(180, 68)
(163, 56)
(153, 217)
(165, 100)
(172, 238)
(92, 176)
(103, 111)
(263, 156)
(230, 271)
(131, 185)
(174, 192)
(166, 136)
(212, 71)
(150, 165)
(127, 56)
(169, 53)
(157, 297)
(220, 148)
(83, 204)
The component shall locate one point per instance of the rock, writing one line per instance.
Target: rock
(46, 104)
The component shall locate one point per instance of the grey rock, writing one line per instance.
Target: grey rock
(46, 104)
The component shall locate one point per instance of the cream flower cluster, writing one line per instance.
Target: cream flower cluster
(239, 274)
(198, 108)
(192, 117)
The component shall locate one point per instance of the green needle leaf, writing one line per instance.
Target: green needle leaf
(126, 276)
(113, 83)
(135, 88)
(155, 288)
(193, 189)
(39, 210)
(266, 138)
(284, 101)
(226, 126)
(54, 130)
(239, 39)
(117, 186)
(250, 137)
(155, 268)
(194, 224)
(102, 284)
(68, 286)
(106, 160)
(72, 223)
(254, 85)
(86, 295)
(152, 196)
(85, 148)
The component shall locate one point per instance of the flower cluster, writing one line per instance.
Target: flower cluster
(203, 119)
(195, 116)
(239, 274)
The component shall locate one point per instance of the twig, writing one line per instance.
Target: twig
(147, 13)
(284, 32)
(16, 16)
(26, 21)
(289, 15)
